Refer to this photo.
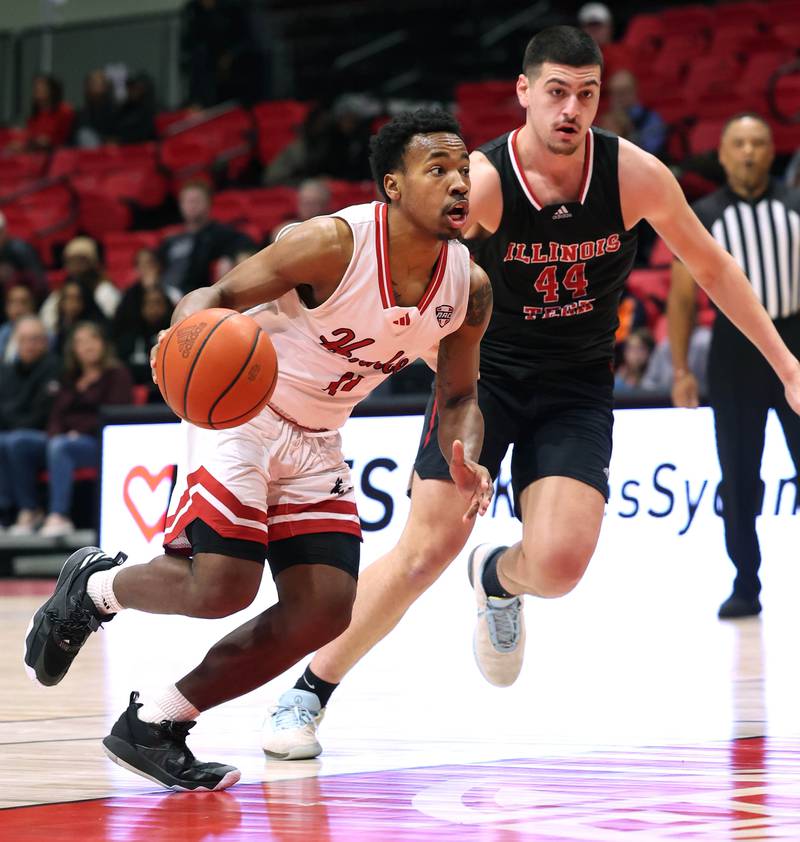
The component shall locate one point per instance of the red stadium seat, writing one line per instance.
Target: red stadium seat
(277, 124)
(677, 51)
(120, 248)
(345, 193)
(644, 30)
(470, 95)
(758, 70)
(748, 16)
(55, 278)
(230, 206)
(660, 254)
(23, 166)
(143, 185)
(672, 107)
(687, 19)
(778, 12)
(788, 33)
(99, 214)
(166, 119)
(785, 97)
(711, 74)
(704, 135)
(787, 138)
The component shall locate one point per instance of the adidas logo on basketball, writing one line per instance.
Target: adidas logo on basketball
(562, 213)
(187, 336)
(403, 321)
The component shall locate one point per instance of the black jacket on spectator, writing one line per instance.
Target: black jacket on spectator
(211, 242)
(27, 393)
(25, 264)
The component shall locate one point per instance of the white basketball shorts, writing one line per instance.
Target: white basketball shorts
(265, 480)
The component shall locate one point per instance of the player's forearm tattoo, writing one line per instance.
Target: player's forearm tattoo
(480, 305)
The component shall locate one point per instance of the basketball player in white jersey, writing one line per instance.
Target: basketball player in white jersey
(553, 214)
(355, 296)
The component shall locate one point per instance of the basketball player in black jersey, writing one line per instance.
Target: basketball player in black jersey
(552, 215)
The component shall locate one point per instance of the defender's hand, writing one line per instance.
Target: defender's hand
(685, 391)
(472, 480)
(153, 353)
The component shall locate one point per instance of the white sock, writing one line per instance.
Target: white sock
(100, 587)
(171, 705)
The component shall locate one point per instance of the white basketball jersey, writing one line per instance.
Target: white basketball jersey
(332, 356)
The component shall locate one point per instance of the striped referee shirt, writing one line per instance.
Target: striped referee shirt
(763, 236)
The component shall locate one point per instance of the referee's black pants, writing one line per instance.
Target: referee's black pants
(742, 389)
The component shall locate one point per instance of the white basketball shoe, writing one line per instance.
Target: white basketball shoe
(290, 731)
(499, 638)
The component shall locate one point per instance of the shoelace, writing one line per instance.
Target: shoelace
(504, 624)
(75, 627)
(177, 731)
(291, 716)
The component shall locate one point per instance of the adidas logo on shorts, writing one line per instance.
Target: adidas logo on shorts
(562, 213)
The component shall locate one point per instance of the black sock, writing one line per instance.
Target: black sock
(491, 584)
(314, 684)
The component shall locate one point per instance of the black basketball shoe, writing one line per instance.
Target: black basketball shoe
(158, 752)
(60, 627)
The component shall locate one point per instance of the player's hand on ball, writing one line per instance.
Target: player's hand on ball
(154, 353)
(685, 391)
(472, 480)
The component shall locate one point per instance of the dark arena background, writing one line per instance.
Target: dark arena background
(147, 147)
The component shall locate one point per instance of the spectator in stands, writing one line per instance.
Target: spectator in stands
(642, 125)
(630, 372)
(93, 378)
(659, 374)
(94, 123)
(27, 389)
(149, 276)
(332, 142)
(19, 262)
(138, 335)
(214, 37)
(344, 151)
(75, 305)
(19, 302)
(135, 119)
(596, 20)
(82, 263)
(313, 199)
(188, 257)
(51, 119)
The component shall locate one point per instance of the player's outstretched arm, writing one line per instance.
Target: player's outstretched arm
(460, 419)
(649, 191)
(315, 253)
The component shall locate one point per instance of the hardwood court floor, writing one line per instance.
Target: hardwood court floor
(637, 716)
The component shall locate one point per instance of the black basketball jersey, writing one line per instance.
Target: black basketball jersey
(557, 271)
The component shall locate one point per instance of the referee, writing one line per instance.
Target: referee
(757, 220)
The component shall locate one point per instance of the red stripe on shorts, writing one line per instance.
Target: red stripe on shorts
(202, 477)
(432, 422)
(201, 508)
(340, 507)
(290, 528)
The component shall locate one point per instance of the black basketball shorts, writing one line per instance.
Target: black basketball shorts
(559, 425)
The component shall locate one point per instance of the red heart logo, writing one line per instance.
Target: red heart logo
(153, 481)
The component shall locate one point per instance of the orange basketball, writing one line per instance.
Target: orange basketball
(216, 368)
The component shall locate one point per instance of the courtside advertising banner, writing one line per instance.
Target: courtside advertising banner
(664, 480)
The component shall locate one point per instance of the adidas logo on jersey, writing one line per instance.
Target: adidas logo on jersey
(403, 321)
(562, 213)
